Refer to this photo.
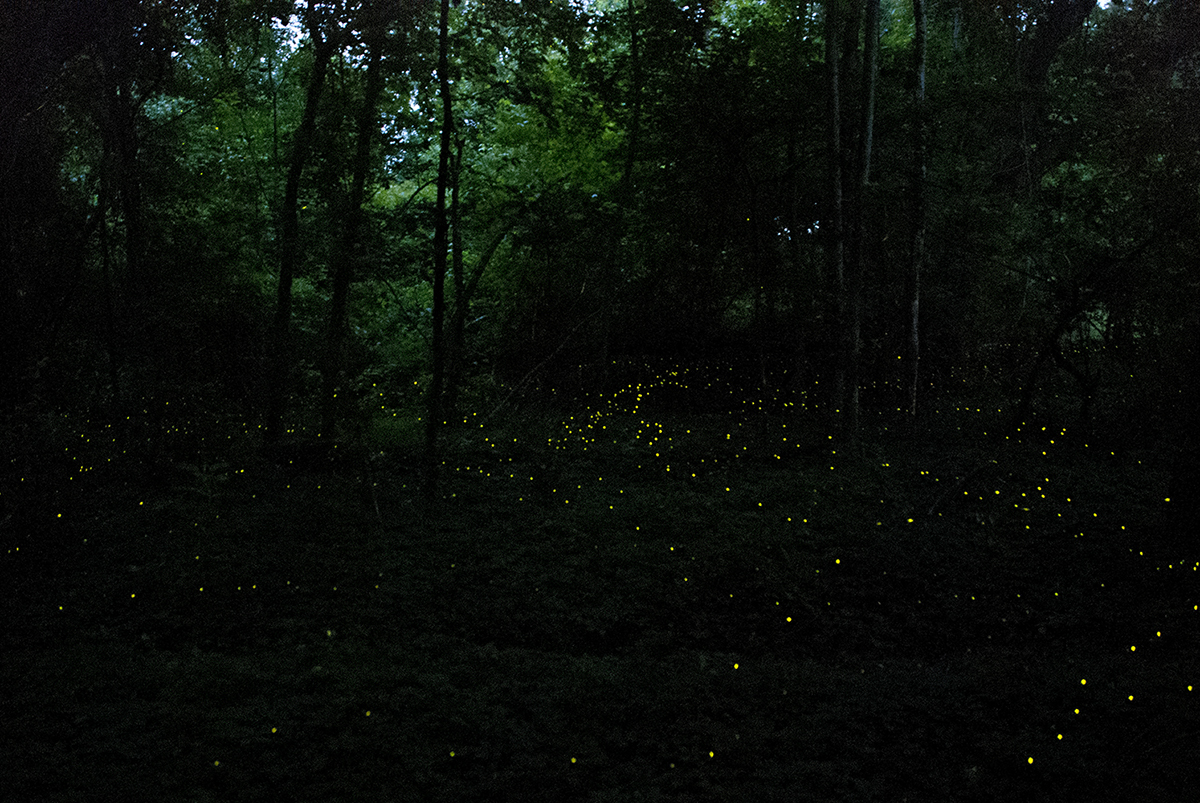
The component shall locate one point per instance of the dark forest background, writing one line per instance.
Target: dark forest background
(279, 278)
(311, 218)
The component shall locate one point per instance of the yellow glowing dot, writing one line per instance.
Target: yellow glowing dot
(1031, 759)
(1060, 737)
(1083, 682)
(573, 759)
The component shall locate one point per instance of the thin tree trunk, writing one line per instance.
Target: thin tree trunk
(836, 242)
(865, 139)
(434, 413)
(117, 120)
(1065, 316)
(343, 259)
(1184, 483)
(464, 291)
(120, 128)
(869, 76)
(279, 346)
(485, 257)
(131, 194)
(458, 321)
(919, 190)
(115, 355)
(800, 313)
(635, 95)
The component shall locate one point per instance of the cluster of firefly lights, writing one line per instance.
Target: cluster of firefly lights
(650, 438)
(655, 441)
(592, 429)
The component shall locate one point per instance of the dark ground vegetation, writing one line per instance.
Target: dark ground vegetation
(609, 602)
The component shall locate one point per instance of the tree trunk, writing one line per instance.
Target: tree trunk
(434, 413)
(343, 258)
(1046, 31)
(859, 240)
(918, 237)
(635, 96)
(121, 140)
(112, 341)
(1065, 317)
(279, 346)
(464, 291)
(1184, 483)
(458, 321)
(836, 242)
(1057, 23)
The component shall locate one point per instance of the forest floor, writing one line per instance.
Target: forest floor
(691, 609)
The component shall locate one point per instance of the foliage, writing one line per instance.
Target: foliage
(648, 182)
(641, 490)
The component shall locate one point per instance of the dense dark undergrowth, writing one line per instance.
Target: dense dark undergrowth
(608, 606)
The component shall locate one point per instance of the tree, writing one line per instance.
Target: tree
(863, 167)
(835, 228)
(850, 280)
(1051, 24)
(635, 93)
(918, 226)
(37, 40)
(435, 410)
(620, 177)
(324, 44)
(374, 37)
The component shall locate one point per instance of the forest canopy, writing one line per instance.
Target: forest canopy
(302, 213)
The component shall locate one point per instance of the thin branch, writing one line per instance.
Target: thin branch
(532, 371)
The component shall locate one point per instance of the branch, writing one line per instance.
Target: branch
(525, 379)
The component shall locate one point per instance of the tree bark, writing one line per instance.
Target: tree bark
(112, 340)
(1044, 35)
(835, 235)
(120, 132)
(919, 178)
(434, 412)
(1184, 483)
(859, 242)
(343, 259)
(458, 320)
(279, 347)
(635, 96)
(1058, 22)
